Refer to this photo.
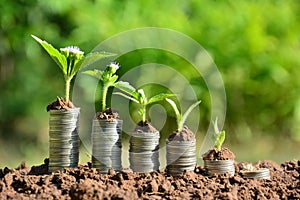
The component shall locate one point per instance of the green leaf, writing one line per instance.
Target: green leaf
(113, 79)
(189, 110)
(94, 57)
(59, 58)
(177, 113)
(159, 97)
(125, 87)
(220, 140)
(142, 97)
(95, 73)
(105, 77)
(126, 96)
(76, 68)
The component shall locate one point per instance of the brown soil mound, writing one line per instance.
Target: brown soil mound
(86, 183)
(214, 154)
(145, 127)
(60, 104)
(185, 135)
(108, 114)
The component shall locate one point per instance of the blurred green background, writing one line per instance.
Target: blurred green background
(255, 44)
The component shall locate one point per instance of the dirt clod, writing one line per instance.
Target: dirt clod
(184, 135)
(214, 154)
(108, 114)
(60, 104)
(41, 169)
(145, 127)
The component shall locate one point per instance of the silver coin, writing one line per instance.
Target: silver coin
(263, 173)
(219, 166)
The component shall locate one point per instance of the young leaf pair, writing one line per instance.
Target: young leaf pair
(181, 118)
(218, 136)
(138, 96)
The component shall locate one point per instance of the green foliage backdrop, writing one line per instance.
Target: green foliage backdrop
(255, 44)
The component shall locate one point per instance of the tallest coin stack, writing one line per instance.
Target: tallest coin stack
(63, 139)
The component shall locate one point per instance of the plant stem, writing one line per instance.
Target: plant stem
(105, 89)
(144, 114)
(67, 94)
(180, 126)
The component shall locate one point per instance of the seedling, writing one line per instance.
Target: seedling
(218, 136)
(181, 118)
(140, 98)
(109, 79)
(70, 60)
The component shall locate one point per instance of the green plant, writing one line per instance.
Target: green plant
(140, 98)
(109, 79)
(218, 136)
(70, 59)
(181, 118)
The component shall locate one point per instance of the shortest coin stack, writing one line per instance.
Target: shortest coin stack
(64, 139)
(263, 173)
(219, 167)
(181, 157)
(107, 147)
(143, 152)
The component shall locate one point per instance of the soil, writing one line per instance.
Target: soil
(60, 104)
(214, 154)
(145, 127)
(108, 114)
(85, 182)
(184, 135)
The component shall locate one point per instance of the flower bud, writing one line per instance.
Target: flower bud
(113, 67)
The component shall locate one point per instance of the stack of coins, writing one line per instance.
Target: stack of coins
(64, 139)
(219, 166)
(263, 173)
(143, 152)
(181, 157)
(107, 147)
(117, 162)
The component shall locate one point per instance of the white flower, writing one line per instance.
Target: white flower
(72, 49)
(113, 67)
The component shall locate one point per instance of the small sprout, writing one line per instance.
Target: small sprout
(109, 79)
(218, 136)
(140, 98)
(70, 60)
(181, 118)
